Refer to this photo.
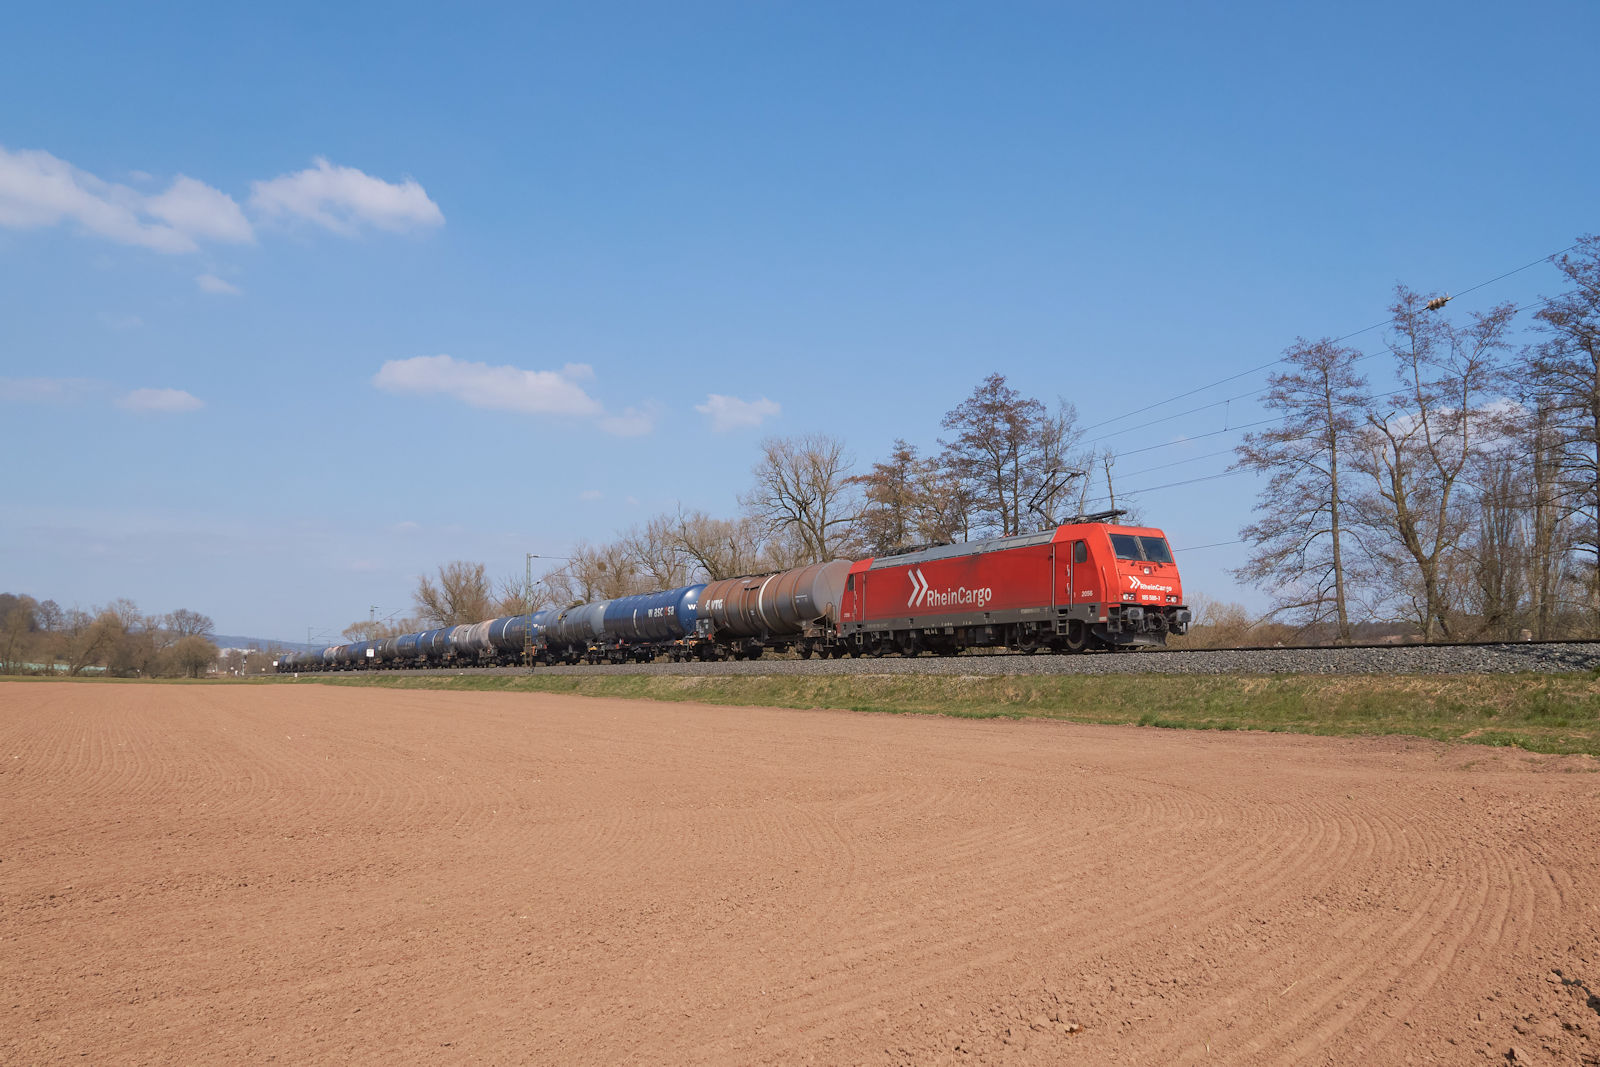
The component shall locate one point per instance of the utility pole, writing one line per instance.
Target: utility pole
(527, 601)
(527, 609)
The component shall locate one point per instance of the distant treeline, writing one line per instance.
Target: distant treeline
(41, 636)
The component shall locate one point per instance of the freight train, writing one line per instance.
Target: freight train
(1082, 586)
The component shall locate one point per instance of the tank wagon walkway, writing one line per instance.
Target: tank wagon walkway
(316, 874)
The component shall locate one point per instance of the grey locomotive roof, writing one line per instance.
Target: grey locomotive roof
(964, 548)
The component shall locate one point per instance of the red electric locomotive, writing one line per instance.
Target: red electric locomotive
(1081, 586)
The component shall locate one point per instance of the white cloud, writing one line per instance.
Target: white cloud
(342, 198)
(38, 190)
(195, 208)
(731, 413)
(591, 494)
(531, 392)
(504, 388)
(210, 283)
(633, 422)
(160, 401)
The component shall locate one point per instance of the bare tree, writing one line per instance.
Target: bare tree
(86, 637)
(1060, 467)
(1495, 549)
(1297, 540)
(595, 572)
(656, 553)
(1415, 455)
(518, 594)
(185, 623)
(18, 624)
(1102, 468)
(1549, 516)
(126, 613)
(803, 491)
(360, 630)
(461, 595)
(948, 508)
(718, 548)
(1565, 370)
(891, 492)
(134, 641)
(194, 656)
(996, 451)
(50, 615)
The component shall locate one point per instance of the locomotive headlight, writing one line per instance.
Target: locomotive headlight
(1127, 596)
(1171, 599)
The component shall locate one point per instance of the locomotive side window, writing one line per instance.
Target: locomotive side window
(850, 583)
(1080, 552)
(1126, 546)
(1156, 550)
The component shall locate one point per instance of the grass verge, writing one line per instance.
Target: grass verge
(1538, 712)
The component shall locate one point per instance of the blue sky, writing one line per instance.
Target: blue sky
(237, 246)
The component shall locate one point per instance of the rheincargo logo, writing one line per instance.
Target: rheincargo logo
(925, 596)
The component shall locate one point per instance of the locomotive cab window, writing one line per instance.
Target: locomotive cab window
(1126, 546)
(1149, 549)
(1155, 549)
(1080, 552)
(850, 583)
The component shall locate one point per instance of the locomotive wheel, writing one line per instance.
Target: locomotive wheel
(1077, 636)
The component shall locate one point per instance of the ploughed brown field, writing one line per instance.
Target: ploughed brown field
(303, 873)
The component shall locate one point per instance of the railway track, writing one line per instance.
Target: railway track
(1543, 657)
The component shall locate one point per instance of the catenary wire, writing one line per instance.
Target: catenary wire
(1281, 418)
(1336, 340)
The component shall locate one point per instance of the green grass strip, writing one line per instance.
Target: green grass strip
(1558, 713)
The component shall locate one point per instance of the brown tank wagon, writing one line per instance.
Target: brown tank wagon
(789, 607)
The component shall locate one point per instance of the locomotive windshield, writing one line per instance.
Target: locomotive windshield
(1156, 550)
(1148, 549)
